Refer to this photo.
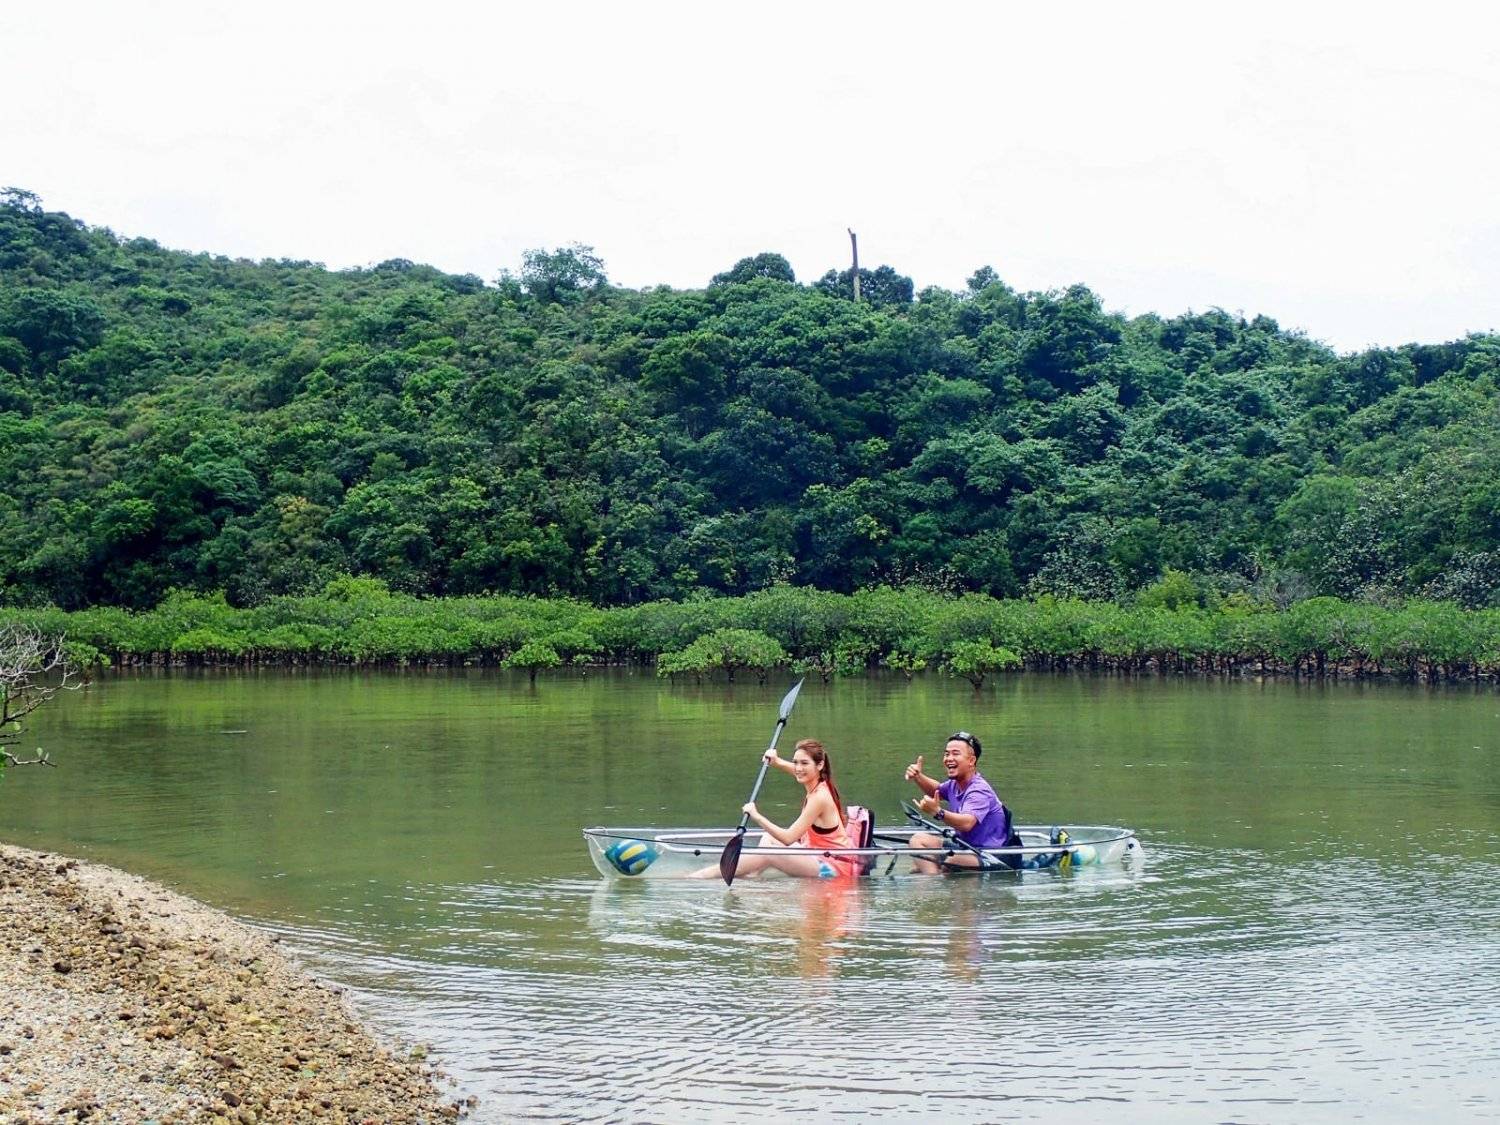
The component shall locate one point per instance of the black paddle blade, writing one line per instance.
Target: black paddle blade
(729, 858)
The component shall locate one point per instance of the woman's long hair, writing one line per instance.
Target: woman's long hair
(814, 750)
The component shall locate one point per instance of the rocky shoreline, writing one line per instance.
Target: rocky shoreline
(123, 1001)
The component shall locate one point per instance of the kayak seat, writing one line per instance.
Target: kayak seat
(1012, 840)
(859, 823)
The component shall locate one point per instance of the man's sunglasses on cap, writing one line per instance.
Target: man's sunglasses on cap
(965, 736)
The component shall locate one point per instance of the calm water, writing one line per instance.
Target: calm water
(1315, 935)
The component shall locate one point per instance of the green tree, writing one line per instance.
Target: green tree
(1173, 590)
(726, 650)
(879, 287)
(533, 656)
(50, 323)
(690, 375)
(562, 274)
(770, 266)
(975, 660)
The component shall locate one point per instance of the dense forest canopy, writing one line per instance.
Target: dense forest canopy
(173, 420)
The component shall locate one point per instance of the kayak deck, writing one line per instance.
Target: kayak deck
(635, 853)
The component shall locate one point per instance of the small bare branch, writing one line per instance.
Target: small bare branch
(42, 759)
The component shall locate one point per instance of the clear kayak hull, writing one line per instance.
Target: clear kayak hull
(666, 853)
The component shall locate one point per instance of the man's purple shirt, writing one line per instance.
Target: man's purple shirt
(979, 801)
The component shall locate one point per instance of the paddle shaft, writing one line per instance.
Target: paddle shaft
(761, 777)
(729, 859)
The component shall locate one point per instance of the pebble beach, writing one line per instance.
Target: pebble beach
(121, 1000)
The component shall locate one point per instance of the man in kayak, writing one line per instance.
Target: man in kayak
(974, 812)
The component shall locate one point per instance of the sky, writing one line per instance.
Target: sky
(1333, 166)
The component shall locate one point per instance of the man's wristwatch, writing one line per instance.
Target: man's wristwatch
(941, 814)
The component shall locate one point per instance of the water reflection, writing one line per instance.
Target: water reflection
(830, 912)
(1208, 981)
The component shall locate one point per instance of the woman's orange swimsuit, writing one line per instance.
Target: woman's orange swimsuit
(828, 838)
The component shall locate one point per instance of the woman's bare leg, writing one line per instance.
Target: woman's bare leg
(749, 865)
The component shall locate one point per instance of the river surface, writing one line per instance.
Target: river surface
(1315, 934)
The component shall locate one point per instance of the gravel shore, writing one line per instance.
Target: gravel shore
(123, 1001)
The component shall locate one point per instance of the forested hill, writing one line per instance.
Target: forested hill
(179, 420)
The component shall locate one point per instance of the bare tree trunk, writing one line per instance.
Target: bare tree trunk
(854, 246)
(33, 669)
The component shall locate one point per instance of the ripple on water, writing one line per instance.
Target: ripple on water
(1211, 979)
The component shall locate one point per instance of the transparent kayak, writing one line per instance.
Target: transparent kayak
(666, 853)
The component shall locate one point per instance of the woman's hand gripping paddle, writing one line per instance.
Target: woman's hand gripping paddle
(729, 860)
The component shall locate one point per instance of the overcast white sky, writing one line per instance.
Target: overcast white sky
(1333, 166)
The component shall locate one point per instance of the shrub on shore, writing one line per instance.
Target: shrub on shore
(361, 622)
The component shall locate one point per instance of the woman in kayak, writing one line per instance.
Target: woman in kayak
(821, 824)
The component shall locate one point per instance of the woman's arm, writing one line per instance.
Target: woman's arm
(819, 806)
(777, 760)
(786, 836)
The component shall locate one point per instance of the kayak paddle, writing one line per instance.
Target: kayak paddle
(730, 858)
(914, 815)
